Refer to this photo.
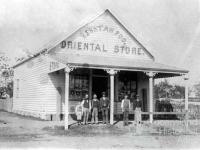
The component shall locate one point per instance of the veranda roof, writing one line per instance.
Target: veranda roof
(118, 63)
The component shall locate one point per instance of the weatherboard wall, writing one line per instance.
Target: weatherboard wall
(34, 88)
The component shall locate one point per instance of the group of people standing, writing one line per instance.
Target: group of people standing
(95, 106)
(126, 107)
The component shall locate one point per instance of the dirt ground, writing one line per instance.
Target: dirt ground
(26, 132)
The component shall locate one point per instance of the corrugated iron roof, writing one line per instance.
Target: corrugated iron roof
(115, 62)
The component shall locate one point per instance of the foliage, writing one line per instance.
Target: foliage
(197, 89)
(164, 89)
(6, 76)
(6, 73)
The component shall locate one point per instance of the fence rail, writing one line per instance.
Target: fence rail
(163, 113)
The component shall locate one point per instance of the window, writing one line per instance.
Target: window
(79, 86)
(127, 85)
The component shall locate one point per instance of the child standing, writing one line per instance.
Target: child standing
(79, 112)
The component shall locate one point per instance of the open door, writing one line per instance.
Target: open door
(99, 85)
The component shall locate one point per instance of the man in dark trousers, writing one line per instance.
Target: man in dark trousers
(86, 105)
(104, 105)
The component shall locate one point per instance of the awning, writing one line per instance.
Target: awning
(117, 63)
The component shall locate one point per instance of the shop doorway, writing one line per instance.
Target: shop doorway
(144, 100)
(99, 85)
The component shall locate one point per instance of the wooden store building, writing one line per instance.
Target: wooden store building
(100, 56)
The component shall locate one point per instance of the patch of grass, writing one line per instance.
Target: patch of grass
(18, 137)
(87, 130)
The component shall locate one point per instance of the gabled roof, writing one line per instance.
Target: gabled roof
(96, 61)
(50, 46)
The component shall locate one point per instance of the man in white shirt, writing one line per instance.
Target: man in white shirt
(125, 105)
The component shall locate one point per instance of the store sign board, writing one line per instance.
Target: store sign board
(104, 37)
(101, 48)
(55, 65)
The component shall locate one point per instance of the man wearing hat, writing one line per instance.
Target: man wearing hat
(95, 108)
(86, 105)
(104, 105)
(125, 105)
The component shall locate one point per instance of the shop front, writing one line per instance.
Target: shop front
(81, 80)
(96, 81)
(101, 56)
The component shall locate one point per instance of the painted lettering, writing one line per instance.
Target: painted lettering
(105, 28)
(82, 35)
(79, 45)
(74, 45)
(133, 50)
(127, 50)
(140, 52)
(116, 49)
(101, 48)
(69, 44)
(53, 66)
(92, 46)
(120, 36)
(87, 32)
(117, 32)
(63, 44)
(122, 49)
(95, 29)
(97, 48)
(124, 40)
(90, 30)
(100, 26)
(111, 30)
(85, 47)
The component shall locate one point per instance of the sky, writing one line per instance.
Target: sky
(169, 29)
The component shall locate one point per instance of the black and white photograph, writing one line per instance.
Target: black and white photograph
(99, 74)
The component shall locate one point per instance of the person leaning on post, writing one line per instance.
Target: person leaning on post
(125, 105)
(104, 105)
(86, 105)
(95, 109)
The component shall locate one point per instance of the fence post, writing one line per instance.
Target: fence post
(186, 101)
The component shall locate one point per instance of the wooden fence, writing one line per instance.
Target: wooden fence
(6, 104)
